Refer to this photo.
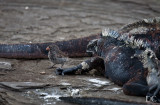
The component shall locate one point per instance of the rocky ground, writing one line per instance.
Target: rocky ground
(37, 21)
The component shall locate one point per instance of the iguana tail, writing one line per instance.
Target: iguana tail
(73, 48)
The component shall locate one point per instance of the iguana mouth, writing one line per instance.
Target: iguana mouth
(90, 53)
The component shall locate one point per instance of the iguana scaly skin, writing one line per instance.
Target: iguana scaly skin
(127, 58)
(147, 30)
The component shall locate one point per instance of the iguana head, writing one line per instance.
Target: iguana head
(149, 60)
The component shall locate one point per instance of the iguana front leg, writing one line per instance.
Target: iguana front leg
(93, 63)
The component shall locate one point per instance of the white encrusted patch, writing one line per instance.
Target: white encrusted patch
(98, 81)
(147, 21)
(152, 20)
(109, 32)
(65, 84)
(115, 89)
(96, 48)
(75, 92)
(84, 65)
(130, 40)
(52, 95)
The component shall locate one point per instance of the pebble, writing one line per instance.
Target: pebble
(5, 66)
(42, 72)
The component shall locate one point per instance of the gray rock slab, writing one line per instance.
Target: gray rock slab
(18, 86)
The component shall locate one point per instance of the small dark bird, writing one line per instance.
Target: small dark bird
(56, 56)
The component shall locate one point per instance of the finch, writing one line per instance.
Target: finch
(56, 56)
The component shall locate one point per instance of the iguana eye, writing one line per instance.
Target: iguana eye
(149, 54)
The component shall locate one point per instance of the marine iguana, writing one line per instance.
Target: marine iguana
(126, 61)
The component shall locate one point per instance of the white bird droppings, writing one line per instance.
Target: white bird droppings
(99, 82)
